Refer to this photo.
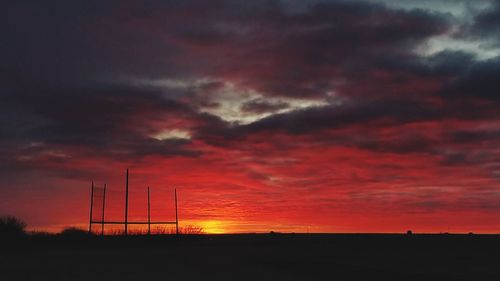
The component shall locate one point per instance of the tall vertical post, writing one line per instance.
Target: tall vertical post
(149, 215)
(126, 203)
(176, 216)
(91, 206)
(103, 208)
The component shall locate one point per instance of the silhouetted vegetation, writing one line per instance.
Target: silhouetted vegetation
(155, 230)
(188, 230)
(11, 227)
(191, 229)
(73, 231)
(161, 230)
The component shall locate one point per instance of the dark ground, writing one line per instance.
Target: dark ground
(253, 257)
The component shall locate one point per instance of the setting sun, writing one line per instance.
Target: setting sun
(212, 226)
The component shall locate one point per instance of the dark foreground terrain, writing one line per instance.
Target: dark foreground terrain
(253, 257)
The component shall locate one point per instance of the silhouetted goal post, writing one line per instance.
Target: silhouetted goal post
(98, 205)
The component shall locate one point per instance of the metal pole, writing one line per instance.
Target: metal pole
(176, 216)
(149, 215)
(91, 206)
(126, 203)
(103, 207)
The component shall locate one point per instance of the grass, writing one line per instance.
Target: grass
(255, 257)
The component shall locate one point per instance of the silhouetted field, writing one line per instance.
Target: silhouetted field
(253, 257)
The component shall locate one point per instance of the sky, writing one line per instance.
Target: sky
(290, 116)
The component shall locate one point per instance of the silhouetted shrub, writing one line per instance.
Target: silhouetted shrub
(73, 232)
(191, 229)
(11, 227)
(116, 232)
(39, 233)
(188, 229)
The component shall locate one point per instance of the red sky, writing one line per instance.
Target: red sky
(325, 116)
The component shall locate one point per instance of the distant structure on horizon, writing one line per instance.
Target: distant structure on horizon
(125, 223)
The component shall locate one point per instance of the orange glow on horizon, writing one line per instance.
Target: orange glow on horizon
(212, 226)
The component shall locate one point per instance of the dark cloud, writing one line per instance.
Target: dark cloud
(362, 51)
(383, 113)
(277, 51)
(487, 23)
(474, 136)
(42, 123)
(262, 106)
(308, 53)
(478, 82)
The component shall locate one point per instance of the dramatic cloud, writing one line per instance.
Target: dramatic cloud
(266, 115)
